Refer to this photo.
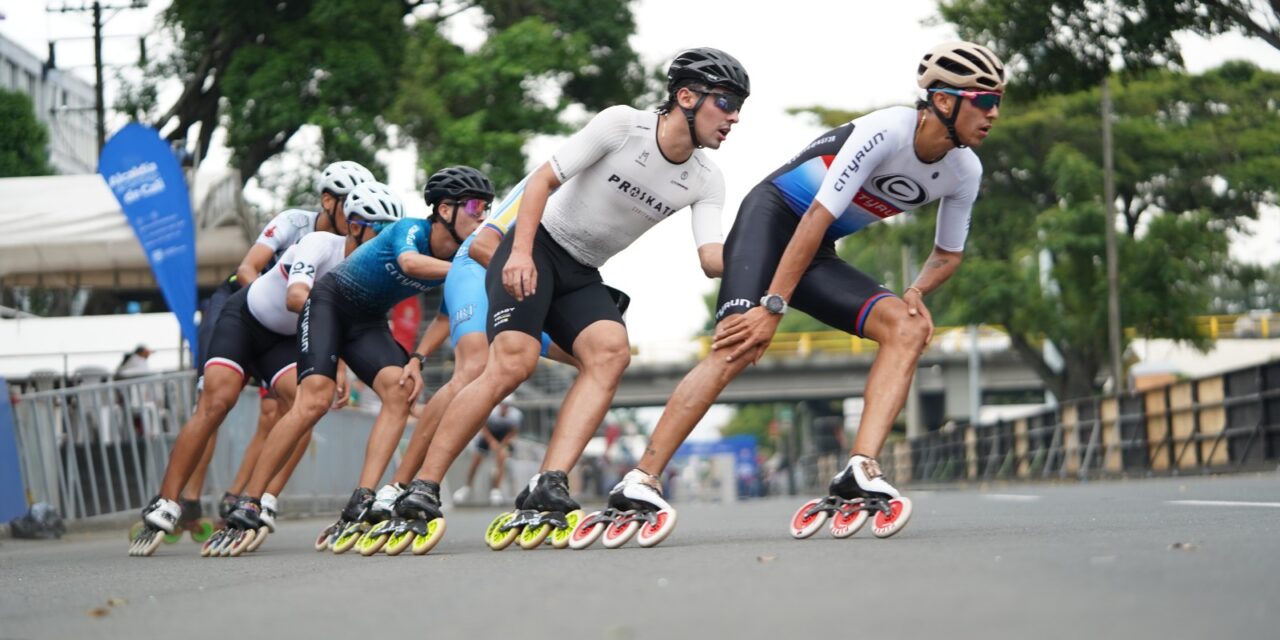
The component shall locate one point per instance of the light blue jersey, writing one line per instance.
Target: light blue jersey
(371, 278)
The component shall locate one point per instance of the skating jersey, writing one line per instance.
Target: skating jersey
(500, 221)
(867, 170)
(617, 185)
(315, 255)
(371, 278)
(287, 229)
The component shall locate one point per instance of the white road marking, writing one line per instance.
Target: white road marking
(1010, 497)
(1225, 503)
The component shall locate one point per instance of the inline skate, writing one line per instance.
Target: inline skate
(857, 493)
(546, 512)
(635, 506)
(159, 519)
(417, 523)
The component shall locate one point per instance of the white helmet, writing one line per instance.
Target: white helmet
(963, 65)
(375, 202)
(341, 177)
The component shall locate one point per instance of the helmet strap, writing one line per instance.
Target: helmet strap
(949, 121)
(689, 115)
(331, 213)
(447, 224)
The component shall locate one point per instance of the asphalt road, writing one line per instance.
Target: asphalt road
(1162, 558)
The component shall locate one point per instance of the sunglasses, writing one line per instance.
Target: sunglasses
(351, 220)
(726, 102)
(474, 207)
(985, 100)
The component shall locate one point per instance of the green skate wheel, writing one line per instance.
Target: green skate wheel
(171, 538)
(496, 537)
(374, 539)
(532, 536)
(435, 531)
(398, 541)
(203, 530)
(349, 537)
(136, 530)
(560, 537)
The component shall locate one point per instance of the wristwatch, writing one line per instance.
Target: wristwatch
(422, 359)
(773, 303)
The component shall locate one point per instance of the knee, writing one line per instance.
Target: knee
(311, 407)
(509, 371)
(218, 403)
(907, 333)
(608, 359)
(468, 371)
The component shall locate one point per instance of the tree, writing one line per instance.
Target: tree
(23, 138)
(1193, 156)
(756, 420)
(1071, 45)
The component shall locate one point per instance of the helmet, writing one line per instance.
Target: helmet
(341, 177)
(457, 182)
(375, 202)
(711, 67)
(963, 65)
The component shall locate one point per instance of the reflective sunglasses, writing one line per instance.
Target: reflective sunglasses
(474, 207)
(985, 100)
(360, 222)
(726, 102)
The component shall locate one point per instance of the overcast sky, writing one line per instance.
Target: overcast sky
(855, 55)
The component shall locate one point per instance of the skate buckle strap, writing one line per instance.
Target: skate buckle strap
(871, 469)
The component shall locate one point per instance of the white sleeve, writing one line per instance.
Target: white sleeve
(282, 231)
(707, 211)
(303, 260)
(955, 212)
(868, 145)
(606, 133)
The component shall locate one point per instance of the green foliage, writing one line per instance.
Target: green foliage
(753, 419)
(23, 138)
(1062, 46)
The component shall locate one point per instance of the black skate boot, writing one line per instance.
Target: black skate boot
(506, 527)
(556, 512)
(353, 522)
(242, 526)
(418, 523)
(193, 521)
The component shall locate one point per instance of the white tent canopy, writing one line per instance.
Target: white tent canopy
(70, 231)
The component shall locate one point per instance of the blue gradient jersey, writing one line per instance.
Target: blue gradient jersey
(371, 278)
(866, 171)
(466, 303)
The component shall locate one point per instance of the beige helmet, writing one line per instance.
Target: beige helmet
(963, 65)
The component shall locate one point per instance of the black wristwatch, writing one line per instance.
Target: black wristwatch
(422, 359)
(773, 303)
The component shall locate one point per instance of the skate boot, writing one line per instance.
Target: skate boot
(636, 506)
(213, 544)
(555, 513)
(243, 524)
(858, 492)
(418, 524)
(353, 522)
(380, 514)
(506, 527)
(193, 521)
(268, 518)
(159, 518)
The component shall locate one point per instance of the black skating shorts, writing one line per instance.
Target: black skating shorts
(330, 328)
(830, 290)
(242, 343)
(571, 296)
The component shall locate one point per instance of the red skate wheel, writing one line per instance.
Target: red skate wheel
(805, 524)
(887, 524)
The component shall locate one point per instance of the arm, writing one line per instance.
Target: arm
(432, 338)
(484, 245)
(942, 264)
(711, 256)
(296, 296)
(254, 262)
(423, 267)
(519, 275)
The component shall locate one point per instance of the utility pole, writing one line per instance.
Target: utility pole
(1113, 277)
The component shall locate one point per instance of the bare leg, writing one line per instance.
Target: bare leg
(315, 394)
(470, 354)
(499, 466)
(475, 466)
(605, 353)
(221, 390)
(902, 341)
(512, 358)
(388, 426)
(195, 485)
(269, 412)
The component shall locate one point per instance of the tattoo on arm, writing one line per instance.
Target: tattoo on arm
(937, 263)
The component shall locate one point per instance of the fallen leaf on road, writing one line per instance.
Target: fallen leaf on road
(763, 559)
(1182, 546)
(99, 612)
(116, 602)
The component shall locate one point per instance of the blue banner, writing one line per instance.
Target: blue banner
(146, 179)
(13, 497)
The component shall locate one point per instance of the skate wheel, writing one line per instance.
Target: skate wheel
(805, 524)
(887, 524)
(373, 540)
(325, 538)
(652, 533)
(495, 537)
(588, 531)
(398, 542)
(136, 530)
(240, 542)
(258, 539)
(348, 538)
(848, 521)
(203, 530)
(210, 546)
(531, 537)
(172, 538)
(435, 531)
(619, 532)
(148, 542)
(560, 537)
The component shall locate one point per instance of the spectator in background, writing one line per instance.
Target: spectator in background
(134, 363)
(495, 436)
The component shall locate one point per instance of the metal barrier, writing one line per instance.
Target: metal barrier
(1219, 423)
(101, 449)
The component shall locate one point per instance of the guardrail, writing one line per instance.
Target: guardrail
(1226, 422)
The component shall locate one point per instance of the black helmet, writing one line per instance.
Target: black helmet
(457, 182)
(711, 67)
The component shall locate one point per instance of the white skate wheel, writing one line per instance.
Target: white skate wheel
(589, 530)
(804, 524)
(847, 522)
(886, 525)
(653, 533)
(618, 533)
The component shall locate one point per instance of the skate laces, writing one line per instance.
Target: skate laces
(871, 468)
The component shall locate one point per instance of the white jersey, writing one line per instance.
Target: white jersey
(303, 262)
(617, 185)
(867, 170)
(287, 229)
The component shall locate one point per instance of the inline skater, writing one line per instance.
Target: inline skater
(781, 253)
(255, 336)
(624, 172)
(346, 317)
